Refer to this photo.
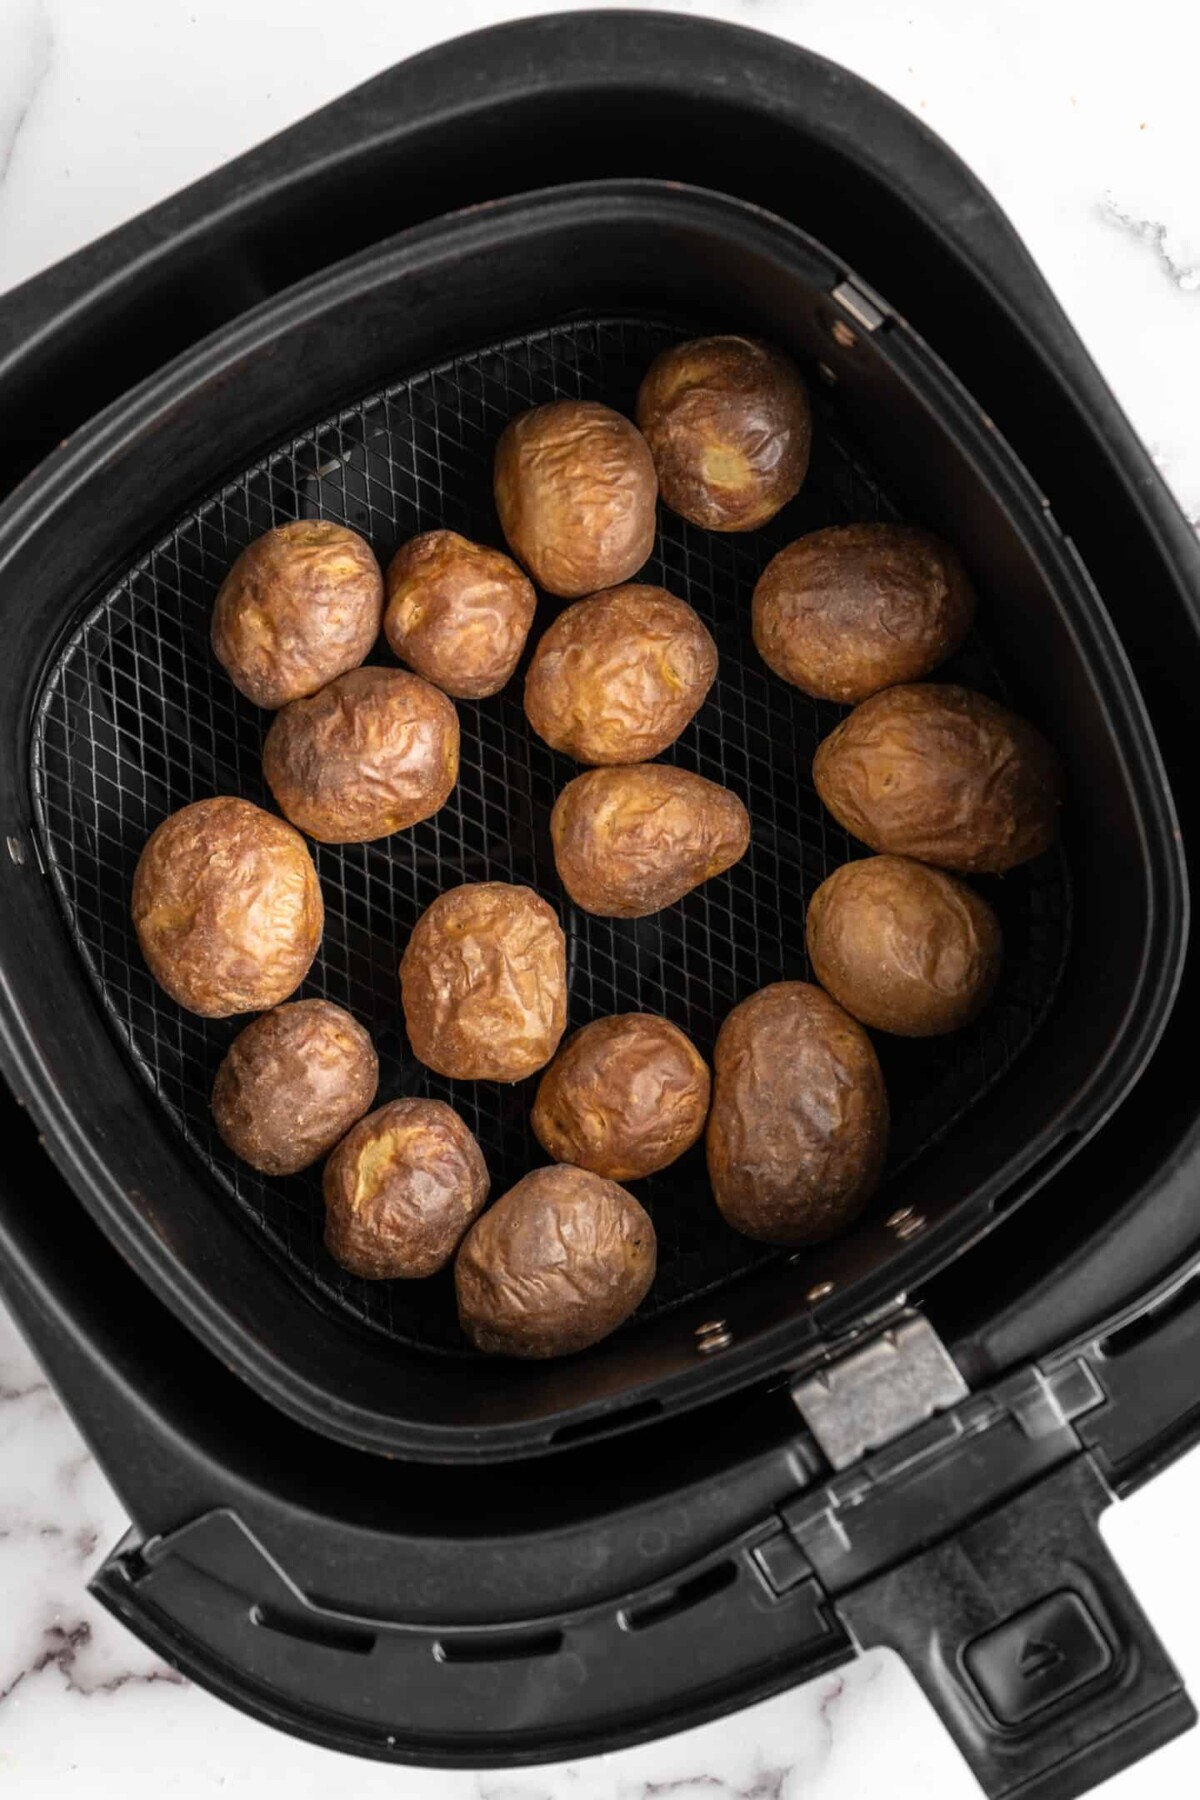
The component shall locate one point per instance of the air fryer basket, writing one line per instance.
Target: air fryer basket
(133, 718)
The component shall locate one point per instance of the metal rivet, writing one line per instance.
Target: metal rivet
(820, 1291)
(898, 1218)
(906, 1223)
(826, 374)
(714, 1334)
(16, 850)
(842, 334)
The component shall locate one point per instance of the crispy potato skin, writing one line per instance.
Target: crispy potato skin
(301, 605)
(292, 1083)
(630, 840)
(617, 677)
(729, 427)
(227, 907)
(458, 613)
(797, 1133)
(624, 1097)
(575, 490)
(374, 752)
(902, 947)
(401, 1189)
(847, 611)
(556, 1264)
(942, 774)
(483, 981)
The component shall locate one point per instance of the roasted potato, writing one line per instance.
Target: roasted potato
(902, 947)
(844, 612)
(797, 1133)
(616, 678)
(483, 981)
(624, 1097)
(292, 1083)
(227, 907)
(944, 775)
(575, 491)
(457, 612)
(300, 605)
(556, 1264)
(372, 753)
(629, 841)
(728, 423)
(401, 1189)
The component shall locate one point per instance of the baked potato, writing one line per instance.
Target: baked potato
(575, 490)
(227, 907)
(374, 752)
(457, 612)
(483, 981)
(292, 1083)
(797, 1133)
(616, 678)
(942, 774)
(301, 605)
(624, 1097)
(556, 1264)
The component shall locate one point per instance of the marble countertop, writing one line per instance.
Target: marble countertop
(1081, 118)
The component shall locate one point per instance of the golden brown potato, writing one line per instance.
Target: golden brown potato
(483, 981)
(561, 1260)
(227, 907)
(798, 1130)
(299, 606)
(728, 424)
(457, 612)
(629, 841)
(624, 1097)
(844, 612)
(292, 1083)
(401, 1189)
(372, 753)
(944, 775)
(616, 678)
(575, 491)
(902, 947)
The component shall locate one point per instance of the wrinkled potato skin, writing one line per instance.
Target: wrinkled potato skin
(616, 678)
(483, 982)
(902, 947)
(798, 1129)
(227, 907)
(630, 840)
(401, 1189)
(575, 490)
(847, 611)
(942, 774)
(556, 1264)
(374, 752)
(624, 1097)
(458, 613)
(292, 1083)
(301, 605)
(729, 427)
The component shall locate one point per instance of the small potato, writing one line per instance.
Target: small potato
(300, 605)
(728, 424)
(457, 612)
(292, 1083)
(903, 948)
(483, 982)
(944, 775)
(227, 907)
(629, 841)
(616, 678)
(561, 1260)
(844, 612)
(401, 1189)
(575, 491)
(624, 1097)
(374, 752)
(798, 1130)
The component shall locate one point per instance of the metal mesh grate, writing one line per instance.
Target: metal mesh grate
(137, 718)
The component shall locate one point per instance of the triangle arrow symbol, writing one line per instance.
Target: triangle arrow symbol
(1037, 1656)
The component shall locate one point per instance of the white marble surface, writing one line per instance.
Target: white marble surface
(1082, 118)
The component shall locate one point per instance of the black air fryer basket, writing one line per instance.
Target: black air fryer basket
(836, 1434)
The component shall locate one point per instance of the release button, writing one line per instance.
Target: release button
(1038, 1657)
